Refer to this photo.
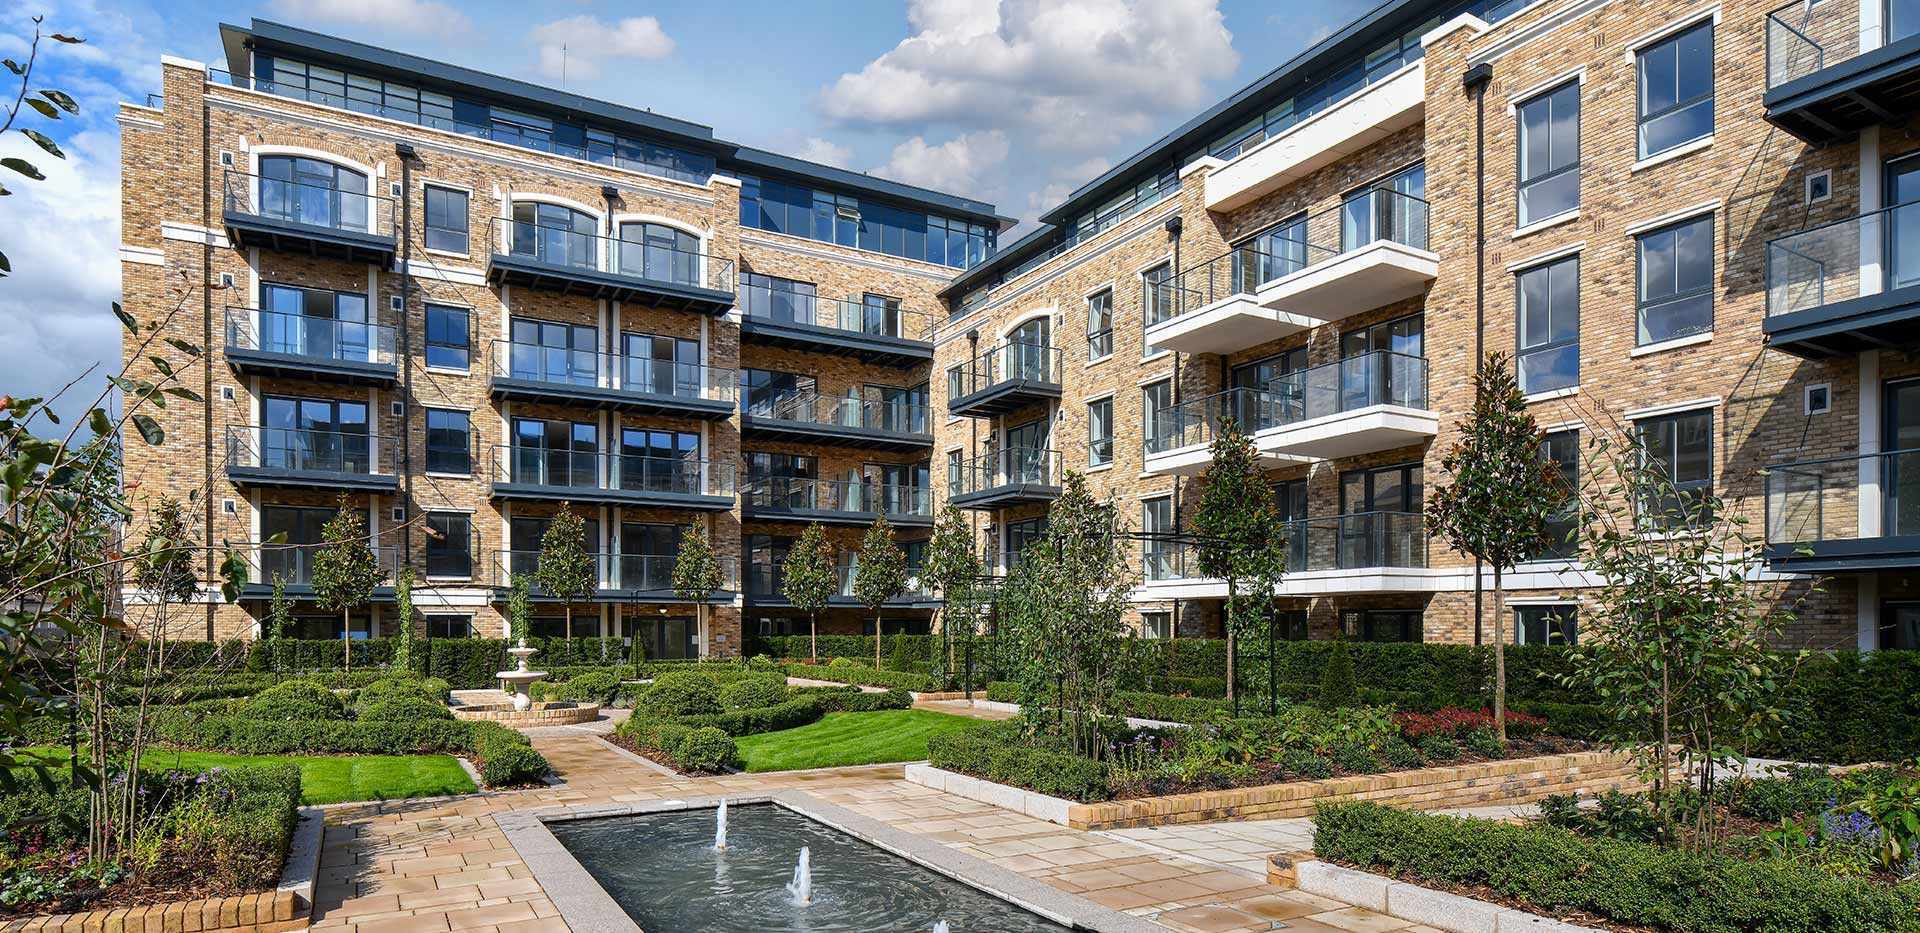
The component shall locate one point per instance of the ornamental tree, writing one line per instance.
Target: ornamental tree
(952, 572)
(565, 568)
(345, 566)
(696, 571)
(519, 608)
(808, 580)
(1501, 495)
(1236, 522)
(403, 616)
(879, 574)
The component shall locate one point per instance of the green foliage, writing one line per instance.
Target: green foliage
(404, 709)
(758, 690)
(519, 608)
(681, 693)
(279, 612)
(998, 754)
(1894, 807)
(164, 564)
(295, 701)
(879, 574)
(696, 571)
(702, 749)
(1440, 748)
(809, 579)
(854, 700)
(403, 619)
(590, 687)
(565, 569)
(400, 686)
(47, 102)
(754, 719)
(864, 676)
(507, 758)
(345, 567)
(1486, 744)
(1399, 754)
(1236, 520)
(952, 571)
(1337, 686)
(907, 653)
(1630, 883)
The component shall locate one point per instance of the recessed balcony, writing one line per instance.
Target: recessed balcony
(1181, 443)
(298, 458)
(541, 474)
(1351, 124)
(1848, 286)
(1844, 514)
(872, 330)
(1364, 552)
(1017, 476)
(1004, 378)
(533, 373)
(573, 262)
(807, 418)
(1833, 71)
(1368, 253)
(300, 217)
(617, 578)
(766, 587)
(281, 345)
(291, 566)
(833, 502)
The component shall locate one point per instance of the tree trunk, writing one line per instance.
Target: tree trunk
(1227, 611)
(1499, 659)
(876, 639)
(346, 640)
(813, 638)
(567, 615)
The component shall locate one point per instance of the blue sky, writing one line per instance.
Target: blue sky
(1016, 102)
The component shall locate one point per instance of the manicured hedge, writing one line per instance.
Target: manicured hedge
(855, 700)
(864, 676)
(184, 728)
(505, 757)
(1630, 883)
(788, 715)
(992, 753)
(687, 748)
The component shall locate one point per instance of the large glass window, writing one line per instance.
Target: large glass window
(1676, 281)
(1562, 450)
(309, 191)
(314, 322)
(549, 351)
(1100, 325)
(1157, 297)
(1155, 425)
(1100, 432)
(555, 234)
(448, 340)
(1546, 625)
(659, 461)
(766, 390)
(659, 252)
(1676, 90)
(449, 441)
(449, 544)
(446, 219)
(555, 453)
(660, 365)
(1680, 449)
(315, 434)
(1549, 326)
(1158, 551)
(846, 220)
(1276, 252)
(1393, 208)
(1549, 154)
(770, 297)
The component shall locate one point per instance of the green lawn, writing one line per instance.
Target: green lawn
(840, 739)
(324, 778)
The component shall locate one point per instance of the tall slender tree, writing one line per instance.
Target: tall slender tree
(879, 575)
(1236, 524)
(808, 580)
(952, 572)
(565, 568)
(696, 571)
(346, 567)
(1501, 493)
(519, 608)
(403, 620)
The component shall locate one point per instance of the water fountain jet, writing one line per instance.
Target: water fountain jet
(720, 827)
(801, 887)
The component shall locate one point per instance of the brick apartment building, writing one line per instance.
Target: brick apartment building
(465, 299)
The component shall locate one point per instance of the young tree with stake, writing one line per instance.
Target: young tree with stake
(565, 568)
(1236, 523)
(808, 580)
(345, 567)
(880, 574)
(953, 572)
(696, 571)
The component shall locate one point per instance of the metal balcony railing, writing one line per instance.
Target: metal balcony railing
(765, 580)
(565, 366)
(1358, 541)
(1376, 216)
(1018, 466)
(1816, 501)
(1874, 252)
(613, 571)
(1007, 362)
(556, 468)
(782, 492)
(1381, 377)
(867, 414)
(859, 316)
(314, 338)
(1804, 37)
(1198, 421)
(564, 248)
(300, 450)
(292, 564)
(305, 203)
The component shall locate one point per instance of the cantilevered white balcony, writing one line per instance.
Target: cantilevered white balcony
(1354, 123)
(1366, 552)
(1181, 442)
(1368, 253)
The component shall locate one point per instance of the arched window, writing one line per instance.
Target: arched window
(1029, 352)
(659, 252)
(554, 234)
(311, 191)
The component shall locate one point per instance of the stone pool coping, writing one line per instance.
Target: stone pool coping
(585, 905)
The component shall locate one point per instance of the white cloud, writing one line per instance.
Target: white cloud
(1078, 74)
(576, 46)
(959, 164)
(825, 152)
(405, 16)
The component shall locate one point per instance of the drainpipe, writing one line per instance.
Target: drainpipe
(407, 157)
(1475, 81)
(206, 334)
(1174, 226)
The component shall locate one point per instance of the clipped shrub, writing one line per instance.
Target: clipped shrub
(843, 662)
(507, 758)
(706, 749)
(854, 700)
(1306, 765)
(908, 653)
(294, 701)
(851, 673)
(596, 686)
(1355, 758)
(431, 689)
(999, 755)
(1399, 754)
(1337, 686)
(755, 719)
(757, 690)
(681, 693)
(1439, 747)
(401, 708)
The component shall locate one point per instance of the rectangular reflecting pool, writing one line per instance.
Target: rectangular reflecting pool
(662, 869)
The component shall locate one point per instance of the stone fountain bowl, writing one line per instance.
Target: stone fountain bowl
(539, 714)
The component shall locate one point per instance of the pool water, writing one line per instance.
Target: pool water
(662, 870)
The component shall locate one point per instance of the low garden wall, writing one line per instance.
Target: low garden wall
(268, 912)
(541, 714)
(1516, 780)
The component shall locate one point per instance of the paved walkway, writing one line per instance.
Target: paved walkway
(444, 865)
(963, 708)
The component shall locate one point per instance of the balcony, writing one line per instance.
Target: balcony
(808, 418)
(1367, 253)
(297, 458)
(294, 346)
(618, 578)
(1832, 72)
(1182, 442)
(552, 475)
(1844, 514)
(765, 582)
(292, 566)
(1004, 378)
(833, 502)
(533, 373)
(1847, 286)
(572, 262)
(297, 217)
(1348, 126)
(872, 332)
(1018, 476)
(1364, 552)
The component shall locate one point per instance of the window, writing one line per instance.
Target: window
(449, 441)
(1676, 281)
(1157, 296)
(1562, 450)
(448, 343)
(1680, 448)
(1393, 208)
(1382, 624)
(658, 252)
(449, 626)
(956, 381)
(549, 351)
(446, 219)
(1158, 624)
(315, 434)
(1290, 624)
(1157, 426)
(1100, 325)
(1100, 432)
(1549, 154)
(1676, 90)
(850, 221)
(554, 234)
(1549, 326)
(773, 298)
(954, 470)
(309, 191)
(449, 545)
(1158, 552)
(555, 453)
(1546, 625)
(1022, 535)
(317, 323)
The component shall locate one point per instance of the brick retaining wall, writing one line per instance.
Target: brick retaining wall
(271, 912)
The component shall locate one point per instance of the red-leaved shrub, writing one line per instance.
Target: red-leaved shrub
(1455, 721)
